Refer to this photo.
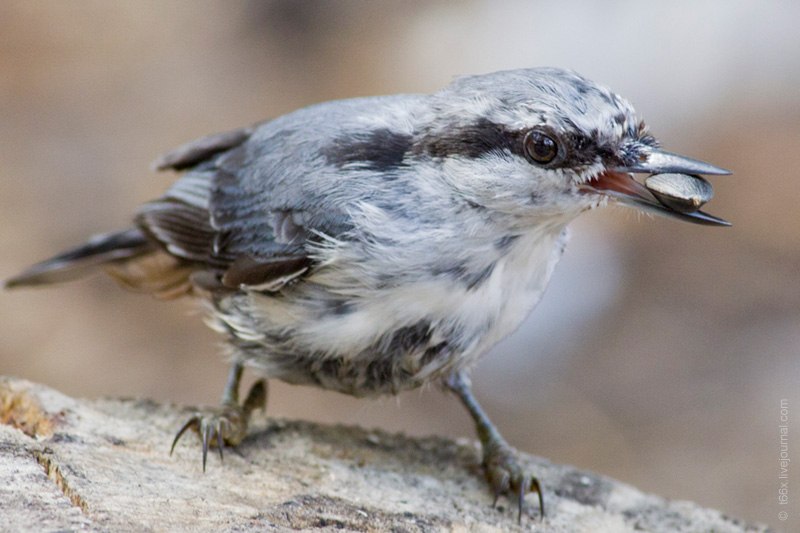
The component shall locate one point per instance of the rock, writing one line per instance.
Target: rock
(100, 465)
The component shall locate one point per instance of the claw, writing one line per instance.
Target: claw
(526, 481)
(220, 442)
(507, 477)
(501, 487)
(225, 425)
(535, 486)
(195, 420)
(206, 440)
(213, 431)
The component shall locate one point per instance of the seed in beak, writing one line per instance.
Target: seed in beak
(681, 192)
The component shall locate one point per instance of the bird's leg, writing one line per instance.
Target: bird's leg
(226, 424)
(503, 468)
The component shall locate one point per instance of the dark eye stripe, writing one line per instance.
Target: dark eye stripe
(485, 137)
(473, 141)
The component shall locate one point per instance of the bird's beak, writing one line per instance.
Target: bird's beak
(618, 183)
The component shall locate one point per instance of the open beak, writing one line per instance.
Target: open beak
(618, 183)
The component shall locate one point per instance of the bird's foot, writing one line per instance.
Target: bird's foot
(507, 476)
(226, 424)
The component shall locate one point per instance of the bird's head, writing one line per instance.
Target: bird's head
(546, 142)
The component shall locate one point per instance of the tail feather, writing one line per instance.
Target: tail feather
(105, 249)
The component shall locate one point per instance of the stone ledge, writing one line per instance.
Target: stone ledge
(99, 465)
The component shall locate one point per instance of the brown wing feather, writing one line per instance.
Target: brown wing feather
(215, 228)
(265, 274)
(157, 273)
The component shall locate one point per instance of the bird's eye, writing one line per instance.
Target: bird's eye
(540, 147)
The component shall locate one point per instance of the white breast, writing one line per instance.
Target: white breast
(483, 315)
(514, 288)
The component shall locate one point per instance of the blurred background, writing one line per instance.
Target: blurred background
(661, 351)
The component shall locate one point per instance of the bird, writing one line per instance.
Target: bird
(375, 245)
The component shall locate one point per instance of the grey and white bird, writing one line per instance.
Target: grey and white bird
(373, 245)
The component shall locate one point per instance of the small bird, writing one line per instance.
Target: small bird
(373, 245)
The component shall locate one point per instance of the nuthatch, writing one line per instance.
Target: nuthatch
(371, 246)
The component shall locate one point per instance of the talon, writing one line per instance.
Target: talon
(526, 481)
(535, 486)
(507, 477)
(220, 443)
(195, 420)
(225, 425)
(501, 487)
(206, 439)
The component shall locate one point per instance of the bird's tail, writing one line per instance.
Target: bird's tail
(77, 262)
(128, 256)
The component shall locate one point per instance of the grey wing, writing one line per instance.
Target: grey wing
(199, 150)
(230, 214)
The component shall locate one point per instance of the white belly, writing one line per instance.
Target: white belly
(470, 320)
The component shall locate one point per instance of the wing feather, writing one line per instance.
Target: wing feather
(202, 149)
(211, 218)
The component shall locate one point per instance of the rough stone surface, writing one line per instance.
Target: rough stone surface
(100, 465)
